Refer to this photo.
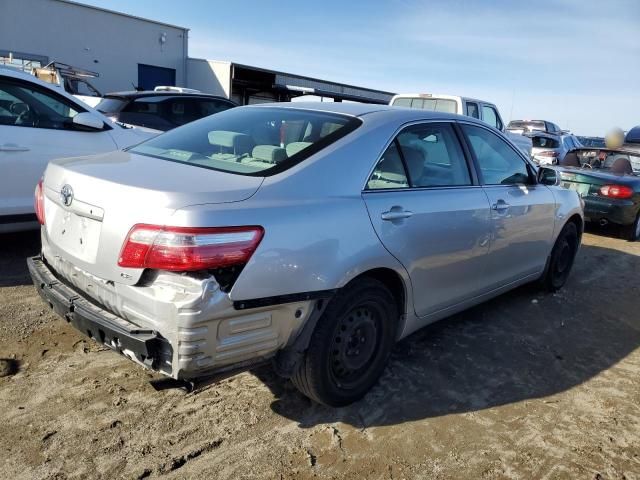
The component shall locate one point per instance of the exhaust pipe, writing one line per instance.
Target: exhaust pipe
(603, 222)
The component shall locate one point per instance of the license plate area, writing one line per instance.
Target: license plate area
(76, 234)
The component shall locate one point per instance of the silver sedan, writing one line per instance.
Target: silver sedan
(310, 235)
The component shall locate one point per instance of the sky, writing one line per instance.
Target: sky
(573, 62)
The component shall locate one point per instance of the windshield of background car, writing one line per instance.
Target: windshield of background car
(110, 105)
(433, 104)
(258, 141)
(544, 142)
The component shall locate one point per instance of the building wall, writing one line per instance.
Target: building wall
(209, 76)
(108, 43)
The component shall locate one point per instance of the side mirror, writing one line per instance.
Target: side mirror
(548, 176)
(87, 121)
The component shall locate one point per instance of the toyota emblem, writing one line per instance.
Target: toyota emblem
(66, 195)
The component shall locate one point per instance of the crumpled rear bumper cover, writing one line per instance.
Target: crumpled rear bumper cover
(144, 346)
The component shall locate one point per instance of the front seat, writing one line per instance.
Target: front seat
(621, 165)
(414, 159)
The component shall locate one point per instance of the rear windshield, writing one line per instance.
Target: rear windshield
(433, 104)
(110, 105)
(533, 125)
(257, 141)
(544, 142)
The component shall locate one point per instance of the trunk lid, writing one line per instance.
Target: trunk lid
(107, 194)
(588, 182)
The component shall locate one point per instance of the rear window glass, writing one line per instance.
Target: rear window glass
(544, 142)
(532, 125)
(110, 105)
(433, 104)
(257, 141)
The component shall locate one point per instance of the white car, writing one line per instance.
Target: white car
(40, 122)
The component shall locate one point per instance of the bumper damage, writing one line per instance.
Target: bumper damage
(146, 347)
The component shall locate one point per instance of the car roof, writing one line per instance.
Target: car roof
(362, 109)
(153, 93)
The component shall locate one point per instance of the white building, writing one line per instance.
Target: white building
(123, 49)
(128, 51)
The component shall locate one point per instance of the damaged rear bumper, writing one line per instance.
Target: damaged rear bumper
(143, 346)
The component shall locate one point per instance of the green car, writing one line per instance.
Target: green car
(608, 180)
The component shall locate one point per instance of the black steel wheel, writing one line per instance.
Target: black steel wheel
(350, 345)
(562, 258)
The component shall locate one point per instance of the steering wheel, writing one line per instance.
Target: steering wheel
(26, 116)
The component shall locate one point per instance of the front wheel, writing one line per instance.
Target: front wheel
(561, 259)
(350, 345)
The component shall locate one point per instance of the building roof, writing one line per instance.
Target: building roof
(114, 12)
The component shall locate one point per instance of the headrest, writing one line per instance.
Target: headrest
(269, 153)
(239, 142)
(295, 147)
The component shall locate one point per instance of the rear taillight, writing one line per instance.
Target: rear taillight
(182, 249)
(38, 202)
(616, 191)
(548, 153)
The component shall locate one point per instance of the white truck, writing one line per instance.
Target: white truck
(471, 107)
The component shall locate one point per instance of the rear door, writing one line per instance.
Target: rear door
(522, 211)
(431, 214)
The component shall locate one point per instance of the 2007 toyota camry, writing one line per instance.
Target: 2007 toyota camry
(315, 235)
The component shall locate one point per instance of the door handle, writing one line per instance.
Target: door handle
(500, 206)
(7, 147)
(396, 213)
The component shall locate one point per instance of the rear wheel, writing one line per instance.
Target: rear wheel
(562, 257)
(632, 232)
(350, 345)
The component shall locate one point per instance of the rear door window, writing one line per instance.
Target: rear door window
(426, 155)
(472, 110)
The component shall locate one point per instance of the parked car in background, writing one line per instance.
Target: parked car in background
(551, 149)
(163, 108)
(480, 109)
(608, 180)
(592, 142)
(40, 122)
(528, 126)
(311, 234)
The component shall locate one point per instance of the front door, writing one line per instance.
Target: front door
(522, 211)
(36, 127)
(429, 214)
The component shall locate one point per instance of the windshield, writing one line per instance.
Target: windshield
(258, 141)
(110, 105)
(544, 142)
(433, 104)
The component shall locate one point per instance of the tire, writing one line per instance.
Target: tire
(632, 232)
(350, 345)
(561, 258)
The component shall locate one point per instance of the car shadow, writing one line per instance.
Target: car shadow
(14, 250)
(522, 345)
(610, 230)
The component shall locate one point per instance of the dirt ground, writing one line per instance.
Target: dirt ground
(527, 386)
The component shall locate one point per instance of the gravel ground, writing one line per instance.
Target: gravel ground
(528, 386)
